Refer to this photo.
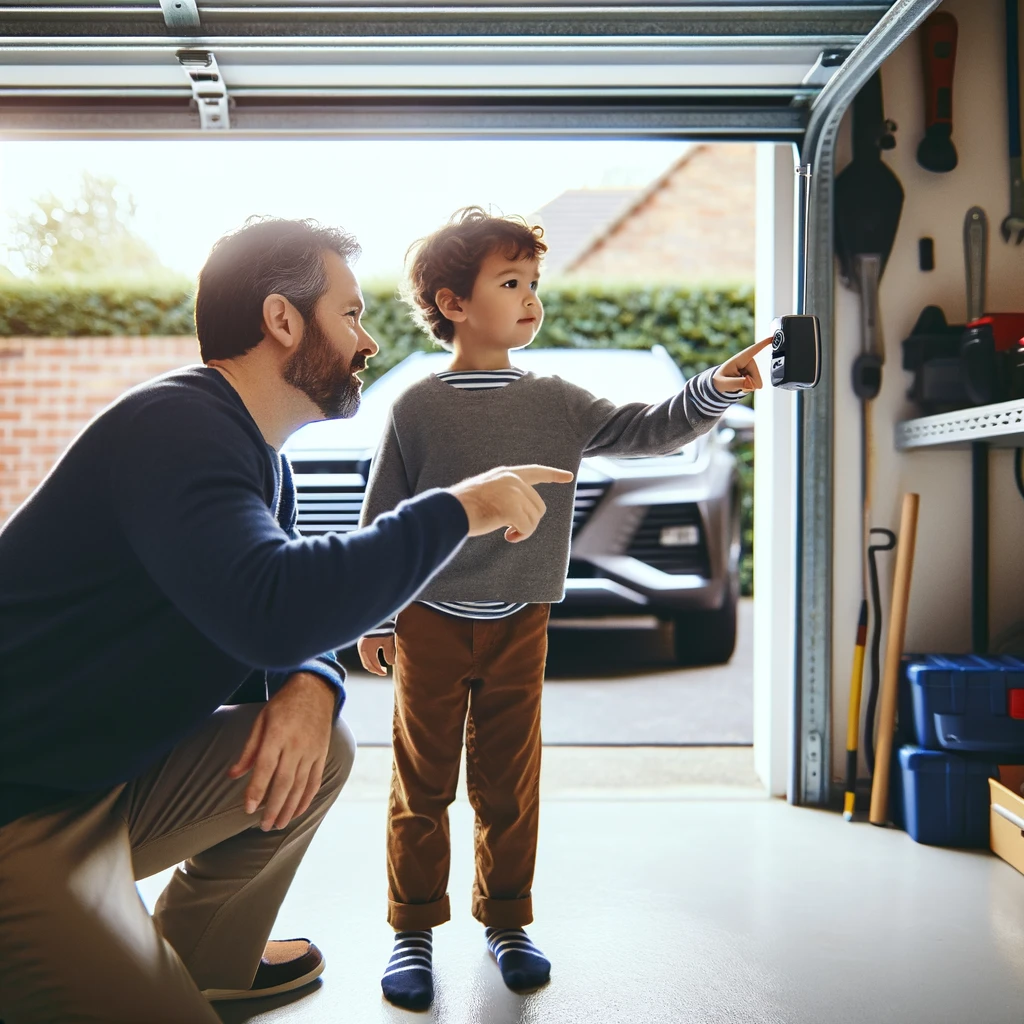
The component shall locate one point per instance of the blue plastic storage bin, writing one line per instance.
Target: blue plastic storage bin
(963, 702)
(945, 797)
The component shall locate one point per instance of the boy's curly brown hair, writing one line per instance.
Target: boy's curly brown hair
(451, 258)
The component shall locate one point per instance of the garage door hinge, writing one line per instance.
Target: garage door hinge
(208, 89)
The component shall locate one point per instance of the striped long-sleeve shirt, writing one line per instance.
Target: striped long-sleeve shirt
(706, 398)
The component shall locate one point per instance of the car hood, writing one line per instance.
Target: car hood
(355, 440)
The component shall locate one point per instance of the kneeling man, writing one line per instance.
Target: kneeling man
(152, 577)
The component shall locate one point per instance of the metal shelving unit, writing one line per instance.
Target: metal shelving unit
(999, 426)
(979, 429)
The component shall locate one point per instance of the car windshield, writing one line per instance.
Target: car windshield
(617, 375)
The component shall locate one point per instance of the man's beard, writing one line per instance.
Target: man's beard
(322, 376)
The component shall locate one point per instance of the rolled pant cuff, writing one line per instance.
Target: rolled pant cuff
(417, 917)
(503, 913)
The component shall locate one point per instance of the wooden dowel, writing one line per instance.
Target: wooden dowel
(879, 813)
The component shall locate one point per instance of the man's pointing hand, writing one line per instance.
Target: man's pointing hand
(506, 496)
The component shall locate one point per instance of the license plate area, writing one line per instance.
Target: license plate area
(679, 536)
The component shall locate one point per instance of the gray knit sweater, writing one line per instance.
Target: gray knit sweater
(438, 435)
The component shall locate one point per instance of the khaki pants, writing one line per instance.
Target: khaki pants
(484, 679)
(76, 941)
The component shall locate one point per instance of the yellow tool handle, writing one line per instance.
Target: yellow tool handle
(853, 714)
(856, 683)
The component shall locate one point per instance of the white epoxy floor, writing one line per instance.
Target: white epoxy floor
(662, 897)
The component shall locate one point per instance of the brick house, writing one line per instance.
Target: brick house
(695, 222)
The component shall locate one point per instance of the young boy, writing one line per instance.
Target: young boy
(469, 654)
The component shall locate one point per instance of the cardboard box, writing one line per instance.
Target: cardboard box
(1006, 824)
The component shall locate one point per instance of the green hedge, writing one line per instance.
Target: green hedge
(56, 309)
(700, 327)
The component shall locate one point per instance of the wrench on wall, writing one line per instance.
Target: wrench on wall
(1013, 224)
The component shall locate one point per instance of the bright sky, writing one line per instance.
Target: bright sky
(387, 193)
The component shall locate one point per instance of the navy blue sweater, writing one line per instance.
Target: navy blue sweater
(156, 568)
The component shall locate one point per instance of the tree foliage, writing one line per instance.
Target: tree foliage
(92, 233)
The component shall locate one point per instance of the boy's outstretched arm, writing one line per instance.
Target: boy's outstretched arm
(636, 429)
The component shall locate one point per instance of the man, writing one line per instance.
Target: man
(154, 573)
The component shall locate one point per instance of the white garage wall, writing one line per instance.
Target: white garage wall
(935, 204)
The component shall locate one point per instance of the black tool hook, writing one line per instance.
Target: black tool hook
(876, 641)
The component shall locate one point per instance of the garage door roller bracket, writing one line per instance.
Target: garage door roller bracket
(208, 89)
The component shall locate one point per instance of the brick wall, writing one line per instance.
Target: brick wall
(50, 388)
(697, 226)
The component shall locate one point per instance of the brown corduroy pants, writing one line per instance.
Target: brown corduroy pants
(481, 679)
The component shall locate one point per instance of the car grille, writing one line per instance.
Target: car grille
(588, 497)
(646, 545)
(331, 494)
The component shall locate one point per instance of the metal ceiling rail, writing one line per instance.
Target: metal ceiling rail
(318, 44)
(432, 117)
(225, 19)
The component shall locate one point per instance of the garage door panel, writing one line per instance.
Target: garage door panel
(718, 70)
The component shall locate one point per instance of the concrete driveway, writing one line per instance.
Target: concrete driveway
(610, 687)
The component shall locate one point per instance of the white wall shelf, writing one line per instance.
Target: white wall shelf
(1000, 425)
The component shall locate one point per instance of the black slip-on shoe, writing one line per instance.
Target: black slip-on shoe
(286, 964)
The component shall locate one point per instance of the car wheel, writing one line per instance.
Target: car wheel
(707, 637)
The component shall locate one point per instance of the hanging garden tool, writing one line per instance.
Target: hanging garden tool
(857, 679)
(938, 57)
(869, 201)
(1013, 224)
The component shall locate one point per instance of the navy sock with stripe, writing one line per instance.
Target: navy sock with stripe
(408, 979)
(523, 966)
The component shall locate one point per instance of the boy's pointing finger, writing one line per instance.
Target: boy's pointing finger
(542, 474)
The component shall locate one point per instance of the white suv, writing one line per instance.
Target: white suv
(653, 535)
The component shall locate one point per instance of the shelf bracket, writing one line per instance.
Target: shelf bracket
(208, 89)
(979, 547)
